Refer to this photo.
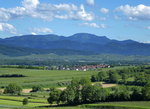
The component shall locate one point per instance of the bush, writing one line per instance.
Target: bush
(11, 75)
(94, 78)
(54, 96)
(25, 101)
(146, 91)
(13, 89)
(36, 88)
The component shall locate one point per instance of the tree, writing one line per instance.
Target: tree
(101, 76)
(87, 93)
(25, 101)
(93, 94)
(93, 78)
(37, 88)
(63, 96)
(13, 88)
(136, 93)
(54, 96)
(75, 88)
(69, 95)
(114, 77)
(140, 78)
(72, 94)
(146, 91)
(84, 81)
(124, 94)
(120, 94)
(124, 78)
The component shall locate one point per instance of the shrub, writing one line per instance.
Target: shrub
(54, 96)
(11, 75)
(13, 89)
(25, 101)
(36, 88)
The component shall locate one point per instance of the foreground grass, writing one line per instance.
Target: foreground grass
(18, 103)
(20, 98)
(69, 107)
(9, 104)
(122, 105)
(12, 102)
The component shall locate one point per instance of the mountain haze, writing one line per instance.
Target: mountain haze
(77, 44)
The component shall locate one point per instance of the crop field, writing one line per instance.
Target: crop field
(45, 78)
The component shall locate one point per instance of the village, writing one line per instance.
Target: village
(79, 68)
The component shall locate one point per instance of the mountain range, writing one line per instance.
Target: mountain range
(77, 44)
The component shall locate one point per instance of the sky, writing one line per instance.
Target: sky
(116, 19)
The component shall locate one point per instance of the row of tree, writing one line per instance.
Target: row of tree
(139, 75)
(82, 91)
(13, 89)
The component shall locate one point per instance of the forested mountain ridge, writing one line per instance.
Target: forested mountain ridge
(80, 43)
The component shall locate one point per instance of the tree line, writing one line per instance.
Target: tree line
(138, 76)
(82, 91)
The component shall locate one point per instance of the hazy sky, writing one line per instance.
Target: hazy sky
(116, 19)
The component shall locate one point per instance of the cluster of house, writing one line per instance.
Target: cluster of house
(92, 67)
(81, 68)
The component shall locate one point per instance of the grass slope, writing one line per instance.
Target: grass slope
(45, 78)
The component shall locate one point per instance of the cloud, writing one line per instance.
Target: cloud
(35, 9)
(90, 2)
(35, 31)
(139, 12)
(94, 25)
(63, 11)
(83, 15)
(8, 28)
(147, 42)
(28, 4)
(148, 27)
(104, 10)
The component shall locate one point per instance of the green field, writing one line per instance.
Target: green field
(120, 105)
(15, 103)
(45, 78)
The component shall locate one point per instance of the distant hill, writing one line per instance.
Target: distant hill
(77, 44)
(89, 38)
(20, 51)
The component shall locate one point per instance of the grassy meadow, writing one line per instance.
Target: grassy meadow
(17, 104)
(45, 78)
(121, 105)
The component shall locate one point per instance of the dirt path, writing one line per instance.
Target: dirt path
(29, 90)
(105, 85)
(26, 90)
